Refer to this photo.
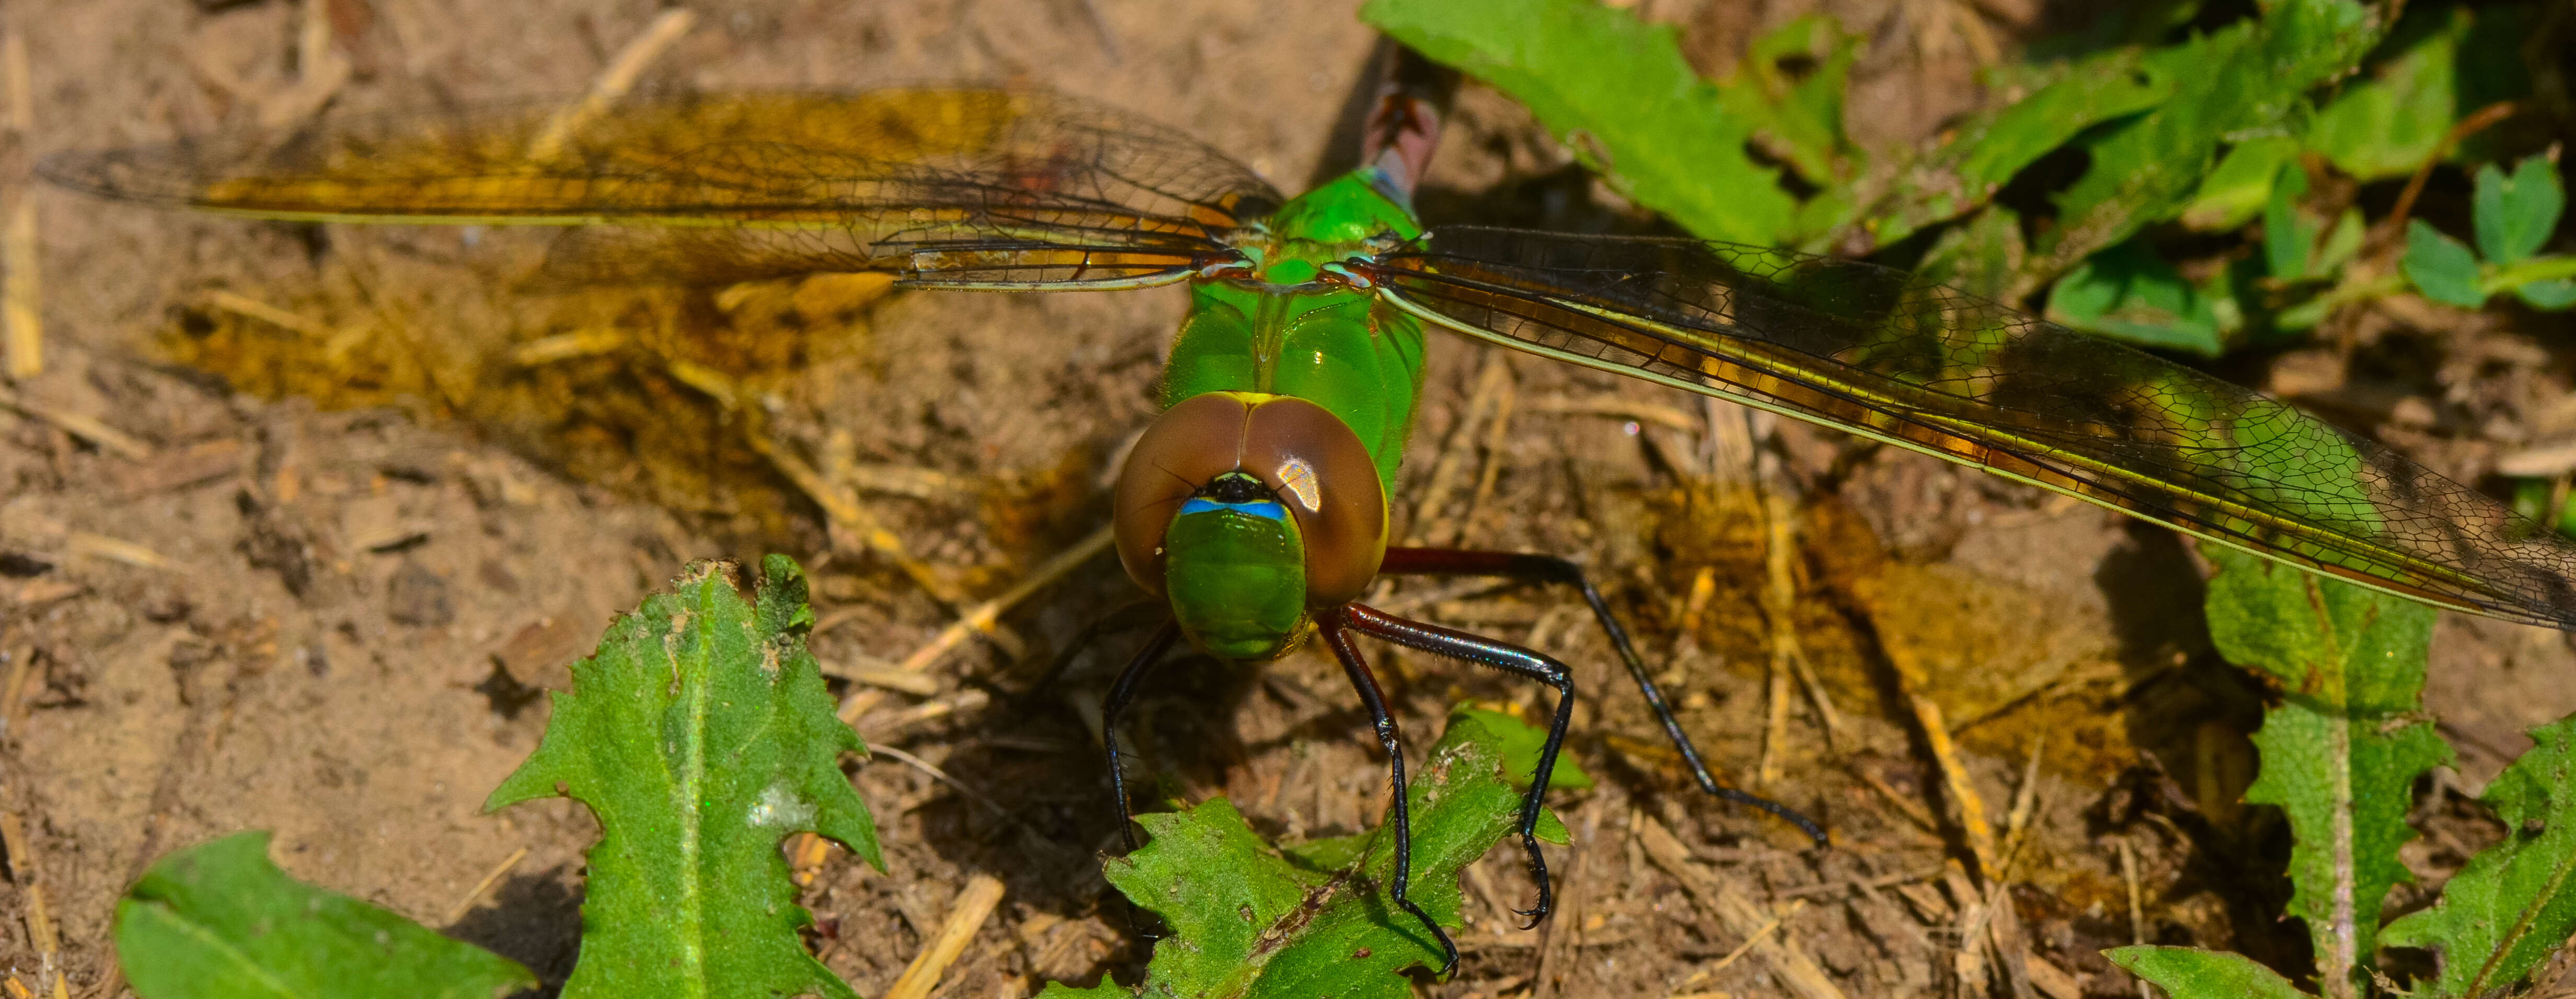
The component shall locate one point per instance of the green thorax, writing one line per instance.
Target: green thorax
(1337, 348)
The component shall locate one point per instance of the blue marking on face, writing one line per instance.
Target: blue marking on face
(1257, 508)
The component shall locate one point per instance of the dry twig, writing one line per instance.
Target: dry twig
(966, 915)
(1556, 936)
(2137, 908)
(880, 673)
(942, 776)
(1967, 808)
(1617, 407)
(320, 72)
(1427, 504)
(1722, 901)
(244, 305)
(13, 841)
(613, 82)
(81, 425)
(21, 320)
(40, 932)
(1498, 435)
(457, 911)
(850, 520)
(985, 618)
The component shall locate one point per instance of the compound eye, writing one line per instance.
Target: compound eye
(1189, 445)
(1327, 480)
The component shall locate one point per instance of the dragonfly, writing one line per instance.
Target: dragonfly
(1256, 505)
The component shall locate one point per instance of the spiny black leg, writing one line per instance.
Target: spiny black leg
(1549, 568)
(1120, 691)
(1509, 658)
(1398, 815)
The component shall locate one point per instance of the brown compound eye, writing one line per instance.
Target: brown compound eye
(1325, 477)
(1307, 456)
(1189, 445)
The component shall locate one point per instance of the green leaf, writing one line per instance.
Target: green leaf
(2241, 185)
(1250, 921)
(2551, 295)
(700, 735)
(2342, 243)
(219, 921)
(2441, 267)
(1798, 118)
(1520, 743)
(2245, 79)
(2514, 902)
(1984, 153)
(2387, 125)
(2513, 218)
(1658, 133)
(2130, 293)
(2288, 233)
(2340, 754)
(2531, 499)
(2190, 973)
(1981, 256)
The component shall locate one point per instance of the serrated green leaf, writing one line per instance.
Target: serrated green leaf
(2387, 124)
(2515, 902)
(1248, 920)
(2130, 293)
(700, 735)
(219, 921)
(1662, 136)
(2245, 79)
(2191, 973)
(2340, 754)
(2514, 216)
(1984, 152)
(2442, 268)
(2241, 185)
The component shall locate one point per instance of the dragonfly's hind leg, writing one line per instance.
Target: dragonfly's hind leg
(1509, 658)
(1399, 818)
(1551, 569)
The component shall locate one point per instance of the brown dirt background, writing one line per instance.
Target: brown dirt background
(363, 539)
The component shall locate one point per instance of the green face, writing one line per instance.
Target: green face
(1237, 576)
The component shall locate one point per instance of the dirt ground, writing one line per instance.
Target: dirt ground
(342, 544)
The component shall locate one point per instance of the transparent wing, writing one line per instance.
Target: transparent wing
(1880, 353)
(974, 188)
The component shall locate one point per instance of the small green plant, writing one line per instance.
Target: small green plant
(2513, 217)
(1249, 919)
(2153, 122)
(2205, 134)
(700, 735)
(2340, 755)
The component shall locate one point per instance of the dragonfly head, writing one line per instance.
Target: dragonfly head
(1246, 511)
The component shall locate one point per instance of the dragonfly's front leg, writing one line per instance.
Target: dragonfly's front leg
(1399, 816)
(1551, 569)
(1121, 691)
(1509, 658)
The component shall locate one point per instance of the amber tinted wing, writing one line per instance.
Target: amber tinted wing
(977, 188)
(1878, 352)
